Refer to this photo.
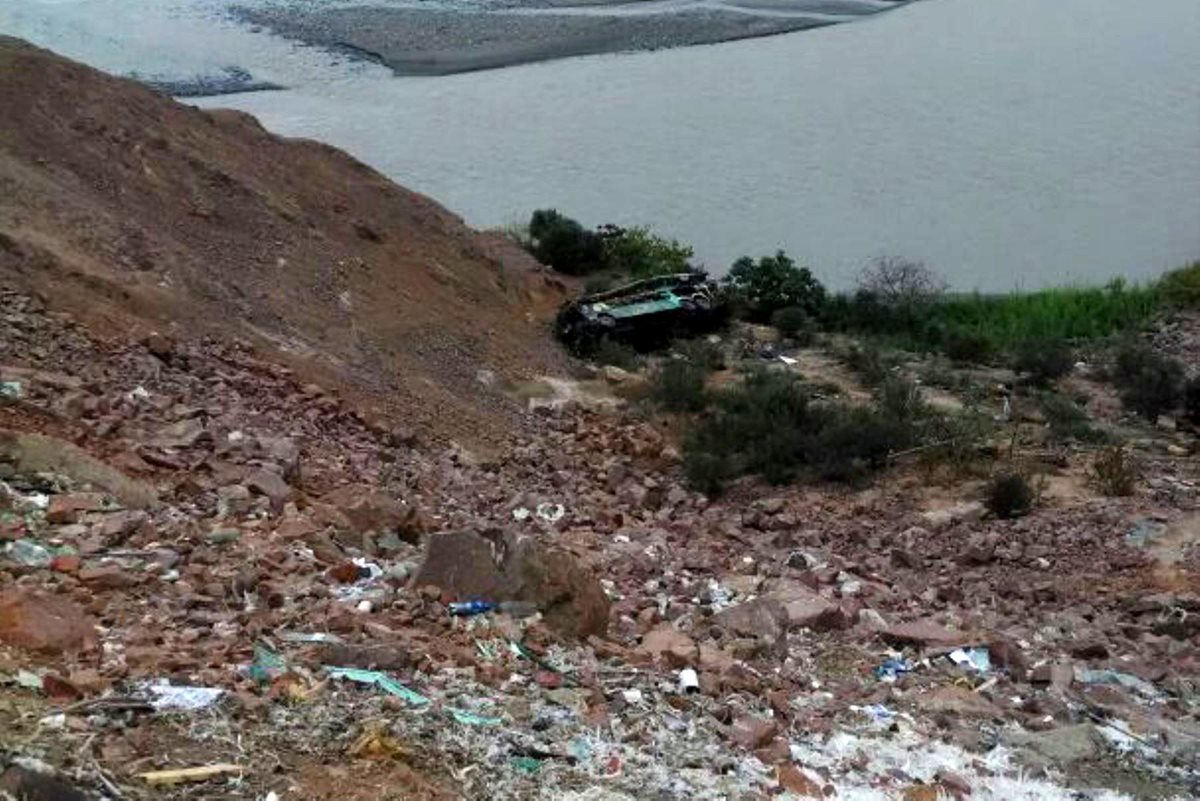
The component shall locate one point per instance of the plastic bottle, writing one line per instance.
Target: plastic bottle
(29, 553)
(468, 608)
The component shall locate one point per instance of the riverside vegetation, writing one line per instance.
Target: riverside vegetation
(774, 424)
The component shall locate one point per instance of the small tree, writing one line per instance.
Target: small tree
(564, 244)
(774, 282)
(1191, 401)
(1009, 495)
(678, 386)
(642, 254)
(794, 323)
(1151, 384)
(899, 283)
(1044, 360)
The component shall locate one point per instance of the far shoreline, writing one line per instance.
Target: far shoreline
(427, 43)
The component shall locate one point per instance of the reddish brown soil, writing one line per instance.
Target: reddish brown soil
(135, 212)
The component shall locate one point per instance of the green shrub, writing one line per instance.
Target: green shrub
(1181, 288)
(1150, 383)
(641, 254)
(794, 323)
(773, 283)
(968, 347)
(618, 354)
(768, 427)
(678, 386)
(564, 244)
(1044, 360)
(900, 399)
(855, 441)
(706, 466)
(1191, 401)
(707, 355)
(1009, 495)
(867, 361)
(601, 282)
(1067, 421)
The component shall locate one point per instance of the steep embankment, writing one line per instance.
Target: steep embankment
(137, 212)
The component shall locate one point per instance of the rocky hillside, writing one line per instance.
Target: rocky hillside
(138, 213)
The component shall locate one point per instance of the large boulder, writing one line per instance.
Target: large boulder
(47, 624)
(808, 609)
(669, 644)
(925, 634)
(763, 619)
(500, 566)
(361, 510)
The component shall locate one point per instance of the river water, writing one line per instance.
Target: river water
(1006, 143)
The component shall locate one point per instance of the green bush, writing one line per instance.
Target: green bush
(1181, 288)
(708, 355)
(1191, 401)
(1150, 383)
(773, 283)
(1044, 361)
(1067, 421)
(678, 386)
(968, 347)
(900, 399)
(641, 254)
(618, 354)
(1009, 495)
(867, 361)
(564, 244)
(768, 427)
(794, 323)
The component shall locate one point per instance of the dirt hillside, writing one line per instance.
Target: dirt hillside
(137, 213)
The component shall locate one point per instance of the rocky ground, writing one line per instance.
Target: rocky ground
(137, 213)
(208, 563)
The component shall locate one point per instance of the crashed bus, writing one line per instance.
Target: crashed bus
(646, 310)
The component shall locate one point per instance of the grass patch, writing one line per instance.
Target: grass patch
(973, 327)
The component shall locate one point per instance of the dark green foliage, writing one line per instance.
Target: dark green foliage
(601, 282)
(707, 469)
(867, 361)
(708, 355)
(1181, 288)
(564, 244)
(1150, 383)
(968, 347)
(1009, 495)
(678, 386)
(618, 354)
(767, 426)
(1066, 419)
(1191, 401)
(794, 323)
(639, 253)
(1044, 360)
(900, 399)
(773, 283)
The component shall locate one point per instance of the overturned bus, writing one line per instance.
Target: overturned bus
(642, 311)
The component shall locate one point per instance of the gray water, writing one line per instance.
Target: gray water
(1007, 143)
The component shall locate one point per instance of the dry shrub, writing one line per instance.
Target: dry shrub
(1116, 472)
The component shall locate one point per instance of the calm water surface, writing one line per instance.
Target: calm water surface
(1007, 143)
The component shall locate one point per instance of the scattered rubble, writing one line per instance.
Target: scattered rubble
(262, 602)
